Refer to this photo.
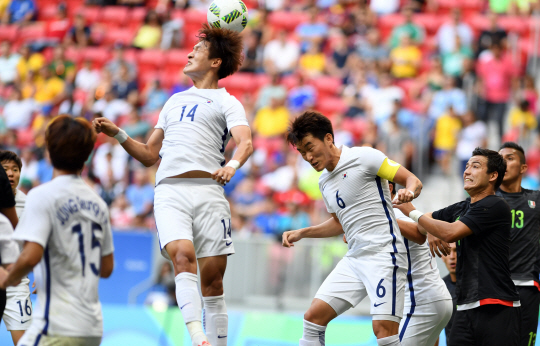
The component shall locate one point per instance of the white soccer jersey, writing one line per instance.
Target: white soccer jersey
(9, 251)
(361, 201)
(197, 124)
(71, 222)
(20, 201)
(424, 283)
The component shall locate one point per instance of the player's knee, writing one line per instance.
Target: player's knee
(383, 328)
(184, 263)
(212, 286)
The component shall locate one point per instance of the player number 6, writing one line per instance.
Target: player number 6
(339, 200)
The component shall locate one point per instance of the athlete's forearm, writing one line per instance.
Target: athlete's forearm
(327, 229)
(440, 229)
(147, 154)
(414, 184)
(29, 258)
(410, 231)
(244, 151)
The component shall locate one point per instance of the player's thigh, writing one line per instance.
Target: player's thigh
(426, 322)
(497, 325)
(529, 297)
(211, 222)
(342, 283)
(384, 276)
(18, 311)
(173, 212)
(69, 341)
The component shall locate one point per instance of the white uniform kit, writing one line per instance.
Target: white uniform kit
(18, 312)
(71, 222)
(197, 124)
(9, 250)
(428, 304)
(375, 264)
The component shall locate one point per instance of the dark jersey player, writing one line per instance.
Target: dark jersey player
(524, 237)
(487, 300)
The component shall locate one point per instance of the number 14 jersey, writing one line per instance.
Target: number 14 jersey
(361, 201)
(71, 222)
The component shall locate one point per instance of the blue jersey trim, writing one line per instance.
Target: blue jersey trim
(47, 290)
(411, 290)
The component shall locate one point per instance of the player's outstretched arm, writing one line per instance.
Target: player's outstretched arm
(410, 231)
(29, 258)
(413, 185)
(327, 229)
(242, 137)
(147, 154)
(107, 266)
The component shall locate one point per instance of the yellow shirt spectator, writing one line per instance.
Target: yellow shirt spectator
(446, 132)
(147, 37)
(313, 64)
(3, 6)
(270, 122)
(405, 61)
(33, 63)
(48, 90)
(522, 118)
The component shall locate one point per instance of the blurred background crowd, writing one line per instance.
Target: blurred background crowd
(425, 81)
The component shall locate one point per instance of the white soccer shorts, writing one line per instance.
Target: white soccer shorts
(379, 275)
(193, 209)
(18, 312)
(31, 338)
(422, 324)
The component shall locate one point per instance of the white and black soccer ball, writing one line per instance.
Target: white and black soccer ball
(228, 14)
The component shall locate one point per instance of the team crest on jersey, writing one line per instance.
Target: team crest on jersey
(208, 101)
(532, 204)
(344, 175)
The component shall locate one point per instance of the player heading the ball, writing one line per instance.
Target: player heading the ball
(193, 218)
(354, 185)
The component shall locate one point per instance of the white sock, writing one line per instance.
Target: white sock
(215, 320)
(389, 341)
(313, 334)
(189, 302)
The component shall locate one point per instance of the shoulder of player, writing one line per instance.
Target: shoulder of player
(493, 202)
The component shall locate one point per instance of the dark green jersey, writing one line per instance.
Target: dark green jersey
(525, 233)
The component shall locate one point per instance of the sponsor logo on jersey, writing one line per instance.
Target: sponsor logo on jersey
(532, 204)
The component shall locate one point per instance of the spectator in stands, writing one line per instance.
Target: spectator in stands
(50, 89)
(246, 199)
(449, 96)
(29, 165)
(125, 84)
(122, 213)
(113, 66)
(111, 107)
(313, 62)
(445, 138)
(172, 33)
(281, 55)
(62, 67)
(454, 62)
(87, 78)
(18, 111)
(253, 54)
(373, 48)
(415, 32)
(406, 58)
(154, 97)
(135, 127)
(395, 140)
(493, 34)
(29, 61)
(496, 76)
(473, 135)
(274, 90)
(314, 31)
(272, 120)
(57, 28)
(430, 81)
(522, 121)
(44, 169)
(20, 12)
(182, 84)
(302, 96)
(149, 34)
(140, 194)
(79, 33)
(380, 102)
(382, 7)
(364, 18)
(528, 92)
(8, 64)
(337, 64)
(448, 31)
(355, 95)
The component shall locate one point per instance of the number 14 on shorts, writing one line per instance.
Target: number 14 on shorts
(227, 231)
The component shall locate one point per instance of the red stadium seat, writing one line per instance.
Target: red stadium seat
(74, 54)
(478, 22)
(91, 14)
(31, 33)
(8, 32)
(136, 17)
(286, 20)
(327, 85)
(289, 81)
(429, 21)
(331, 105)
(386, 23)
(193, 21)
(47, 12)
(243, 82)
(151, 57)
(175, 60)
(514, 24)
(118, 35)
(98, 55)
(116, 15)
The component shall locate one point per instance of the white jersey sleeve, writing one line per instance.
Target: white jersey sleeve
(234, 113)
(162, 118)
(9, 251)
(37, 226)
(370, 159)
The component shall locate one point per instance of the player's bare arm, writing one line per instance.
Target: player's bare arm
(327, 229)
(410, 231)
(437, 246)
(107, 266)
(242, 138)
(11, 214)
(147, 154)
(413, 185)
(29, 258)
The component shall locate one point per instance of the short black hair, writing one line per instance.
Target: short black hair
(393, 187)
(309, 123)
(517, 147)
(6, 155)
(495, 163)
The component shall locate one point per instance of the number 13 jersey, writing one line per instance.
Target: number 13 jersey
(197, 124)
(71, 222)
(361, 200)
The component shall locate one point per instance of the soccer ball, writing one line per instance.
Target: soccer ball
(227, 14)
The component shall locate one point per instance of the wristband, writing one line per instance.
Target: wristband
(412, 193)
(415, 215)
(121, 136)
(234, 164)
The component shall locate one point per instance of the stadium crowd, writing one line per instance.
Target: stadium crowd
(417, 80)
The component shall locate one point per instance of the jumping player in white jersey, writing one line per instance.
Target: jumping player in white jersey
(428, 304)
(18, 313)
(193, 217)
(355, 190)
(67, 243)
